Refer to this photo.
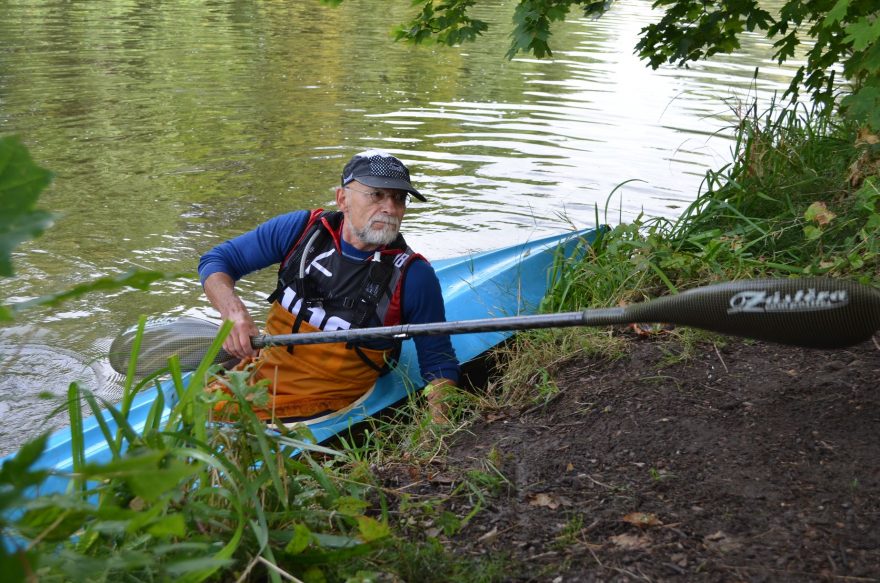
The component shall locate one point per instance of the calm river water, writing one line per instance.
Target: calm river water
(173, 126)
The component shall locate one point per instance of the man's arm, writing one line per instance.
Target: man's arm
(423, 301)
(220, 290)
(223, 265)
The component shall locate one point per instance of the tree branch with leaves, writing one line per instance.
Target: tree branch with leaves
(839, 35)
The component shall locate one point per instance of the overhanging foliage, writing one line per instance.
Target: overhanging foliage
(841, 35)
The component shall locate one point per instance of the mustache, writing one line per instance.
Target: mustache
(386, 220)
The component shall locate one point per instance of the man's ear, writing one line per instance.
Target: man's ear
(340, 198)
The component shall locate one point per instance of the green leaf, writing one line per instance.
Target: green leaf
(137, 515)
(149, 475)
(449, 522)
(152, 485)
(136, 279)
(201, 568)
(314, 575)
(864, 106)
(335, 541)
(818, 213)
(812, 233)
(16, 475)
(172, 525)
(855, 261)
(52, 522)
(29, 453)
(837, 13)
(868, 195)
(350, 506)
(301, 539)
(21, 182)
(863, 33)
(448, 23)
(372, 529)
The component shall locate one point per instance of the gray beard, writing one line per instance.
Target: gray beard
(384, 236)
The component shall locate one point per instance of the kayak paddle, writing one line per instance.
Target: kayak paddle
(812, 312)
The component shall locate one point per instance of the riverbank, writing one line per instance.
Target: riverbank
(721, 460)
(659, 453)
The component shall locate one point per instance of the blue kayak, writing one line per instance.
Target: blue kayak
(505, 282)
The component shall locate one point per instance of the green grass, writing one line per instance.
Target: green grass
(189, 499)
(796, 201)
(802, 198)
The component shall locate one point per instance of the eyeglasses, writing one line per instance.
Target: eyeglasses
(398, 197)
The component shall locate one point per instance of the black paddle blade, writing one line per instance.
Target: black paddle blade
(187, 337)
(810, 312)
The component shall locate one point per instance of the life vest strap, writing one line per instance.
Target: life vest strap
(363, 302)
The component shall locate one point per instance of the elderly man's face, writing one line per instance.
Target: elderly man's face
(372, 215)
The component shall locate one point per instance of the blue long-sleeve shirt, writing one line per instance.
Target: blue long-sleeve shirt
(268, 245)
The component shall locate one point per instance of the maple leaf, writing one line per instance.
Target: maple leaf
(864, 105)
(863, 33)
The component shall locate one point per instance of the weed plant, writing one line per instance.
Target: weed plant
(801, 198)
(186, 498)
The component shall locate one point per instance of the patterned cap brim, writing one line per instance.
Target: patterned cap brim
(393, 183)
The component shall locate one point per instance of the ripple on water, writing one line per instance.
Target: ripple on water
(35, 378)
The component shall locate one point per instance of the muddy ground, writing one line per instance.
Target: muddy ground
(745, 462)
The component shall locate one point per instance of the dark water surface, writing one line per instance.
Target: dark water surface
(173, 126)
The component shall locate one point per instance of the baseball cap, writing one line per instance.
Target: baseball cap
(380, 170)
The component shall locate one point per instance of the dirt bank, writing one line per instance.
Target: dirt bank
(744, 462)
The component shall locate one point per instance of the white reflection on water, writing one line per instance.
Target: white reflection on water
(588, 120)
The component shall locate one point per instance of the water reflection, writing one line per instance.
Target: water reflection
(173, 127)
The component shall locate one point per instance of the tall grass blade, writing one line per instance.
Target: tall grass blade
(257, 430)
(98, 414)
(125, 432)
(154, 418)
(185, 410)
(132, 361)
(77, 437)
(176, 377)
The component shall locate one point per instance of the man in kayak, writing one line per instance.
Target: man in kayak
(338, 270)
